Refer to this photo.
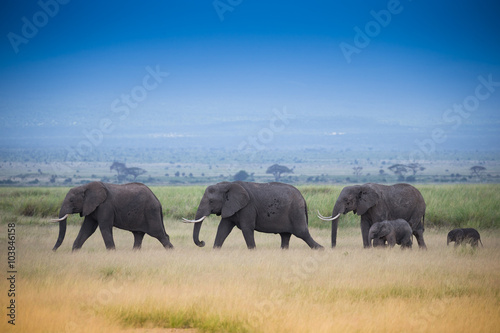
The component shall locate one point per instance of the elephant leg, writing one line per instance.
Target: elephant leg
(87, 229)
(285, 239)
(107, 235)
(365, 229)
(306, 237)
(165, 241)
(391, 241)
(163, 238)
(248, 234)
(406, 243)
(419, 235)
(224, 229)
(138, 236)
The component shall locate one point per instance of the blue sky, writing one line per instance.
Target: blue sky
(231, 63)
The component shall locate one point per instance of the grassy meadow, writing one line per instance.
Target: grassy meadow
(191, 289)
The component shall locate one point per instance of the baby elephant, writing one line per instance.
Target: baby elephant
(394, 232)
(465, 235)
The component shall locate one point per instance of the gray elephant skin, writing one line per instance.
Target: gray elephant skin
(464, 236)
(393, 232)
(132, 207)
(376, 203)
(265, 207)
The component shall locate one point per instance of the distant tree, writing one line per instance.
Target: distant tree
(477, 170)
(399, 170)
(119, 168)
(135, 172)
(53, 178)
(122, 171)
(241, 175)
(415, 167)
(357, 171)
(277, 170)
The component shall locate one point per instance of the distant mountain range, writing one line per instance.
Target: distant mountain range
(271, 130)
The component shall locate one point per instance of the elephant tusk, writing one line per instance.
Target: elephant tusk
(329, 218)
(193, 221)
(61, 219)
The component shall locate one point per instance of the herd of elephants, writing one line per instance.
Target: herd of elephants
(390, 215)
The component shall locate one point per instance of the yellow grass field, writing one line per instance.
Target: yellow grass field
(191, 289)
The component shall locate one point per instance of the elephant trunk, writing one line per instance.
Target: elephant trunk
(196, 235)
(447, 241)
(63, 215)
(337, 210)
(200, 216)
(335, 224)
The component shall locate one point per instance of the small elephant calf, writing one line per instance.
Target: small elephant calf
(394, 232)
(464, 235)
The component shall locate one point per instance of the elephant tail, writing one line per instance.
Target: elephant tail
(62, 231)
(480, 242)
(307, 215)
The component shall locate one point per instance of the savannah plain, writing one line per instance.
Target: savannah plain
(191, 289)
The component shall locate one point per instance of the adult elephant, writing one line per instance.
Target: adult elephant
(376, 203)
(131, 207)
(271, 208)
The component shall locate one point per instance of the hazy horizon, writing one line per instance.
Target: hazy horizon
(251, 75)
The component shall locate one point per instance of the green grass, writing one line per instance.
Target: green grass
(148, 315)
(447, 205)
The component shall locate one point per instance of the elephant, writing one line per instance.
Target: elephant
(464, 235)
(376, 203)
(131, 207)
(393, 232)
(265, 207)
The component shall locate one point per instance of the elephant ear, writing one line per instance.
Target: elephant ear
(384, 230)
(367, 198)
(94, 195)
(236, 197)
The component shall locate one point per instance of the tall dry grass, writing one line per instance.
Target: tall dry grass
(347, 289)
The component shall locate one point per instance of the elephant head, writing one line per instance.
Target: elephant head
(82, 199)
(357, 199)
(456, 235)
(223, 199)
(378, 230)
